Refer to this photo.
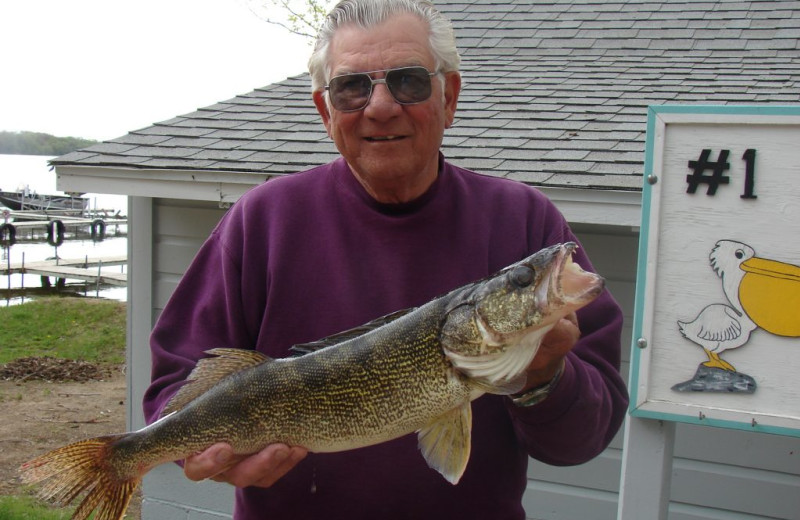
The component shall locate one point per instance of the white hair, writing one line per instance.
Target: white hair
(369, 13)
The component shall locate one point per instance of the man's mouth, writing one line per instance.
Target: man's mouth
(383, 138)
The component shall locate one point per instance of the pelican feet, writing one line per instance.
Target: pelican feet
(714, 361)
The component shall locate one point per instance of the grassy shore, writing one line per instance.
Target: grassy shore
(69, 328)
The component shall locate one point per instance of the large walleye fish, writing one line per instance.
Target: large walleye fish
(415, 370)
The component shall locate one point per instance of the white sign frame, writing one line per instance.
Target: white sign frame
(675, 136)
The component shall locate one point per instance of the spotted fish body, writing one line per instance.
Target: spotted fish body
(337, 398)
(415, 370)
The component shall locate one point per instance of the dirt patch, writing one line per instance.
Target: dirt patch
(40, 415)
(53, 369)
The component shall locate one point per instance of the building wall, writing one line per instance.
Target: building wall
(175, 229)
(717, 474)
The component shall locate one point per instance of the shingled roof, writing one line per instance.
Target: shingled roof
(555, 93)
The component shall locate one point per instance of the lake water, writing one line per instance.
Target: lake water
(18, 171)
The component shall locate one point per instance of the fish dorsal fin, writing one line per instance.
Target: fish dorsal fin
(210, 371)
(302, 349)
(500, 372)
(446, 442)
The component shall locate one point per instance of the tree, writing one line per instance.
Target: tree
(302, 17)
(38, 143)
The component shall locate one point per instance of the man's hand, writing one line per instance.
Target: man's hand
(554, 348)
(262, 469)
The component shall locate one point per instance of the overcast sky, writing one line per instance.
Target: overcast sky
(101, 68)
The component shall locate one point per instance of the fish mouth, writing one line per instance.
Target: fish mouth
(566, 283)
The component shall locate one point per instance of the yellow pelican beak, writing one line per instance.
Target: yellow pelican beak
(772, 268)
(770, 295)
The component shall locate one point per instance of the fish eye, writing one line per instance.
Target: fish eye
(521, 276)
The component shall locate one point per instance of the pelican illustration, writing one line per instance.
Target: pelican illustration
(760, 292)
(721, 327)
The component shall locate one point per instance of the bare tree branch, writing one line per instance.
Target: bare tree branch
(303, 17)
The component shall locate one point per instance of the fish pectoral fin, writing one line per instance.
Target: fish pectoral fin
(210, 371)
(445, 443)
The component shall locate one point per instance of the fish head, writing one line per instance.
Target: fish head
(493, 328)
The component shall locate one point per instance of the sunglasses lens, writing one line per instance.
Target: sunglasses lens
(409, 85)
(350, 92)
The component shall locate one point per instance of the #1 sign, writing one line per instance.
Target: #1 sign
(717, 313)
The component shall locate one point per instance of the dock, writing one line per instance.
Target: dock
(32, 224)
(87, 269)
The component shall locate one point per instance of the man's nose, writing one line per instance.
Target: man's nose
(381, 99)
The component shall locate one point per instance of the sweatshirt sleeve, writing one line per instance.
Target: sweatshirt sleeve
(580, 417)
(204, 312)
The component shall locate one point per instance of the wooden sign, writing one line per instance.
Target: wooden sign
(717, 314)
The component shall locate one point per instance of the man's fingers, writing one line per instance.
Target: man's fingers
(572, 318)
(263, 468)
(209, 462)
(282, 462)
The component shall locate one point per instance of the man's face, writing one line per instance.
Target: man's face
(391, 148)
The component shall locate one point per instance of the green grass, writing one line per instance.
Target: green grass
(69, 328)
(19, 507)
(28, 508)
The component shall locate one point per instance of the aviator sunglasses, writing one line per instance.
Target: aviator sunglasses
(408, 85)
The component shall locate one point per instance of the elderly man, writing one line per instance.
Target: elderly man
(387, 226)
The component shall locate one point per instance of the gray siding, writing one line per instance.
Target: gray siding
(180, 228)
(732, 474)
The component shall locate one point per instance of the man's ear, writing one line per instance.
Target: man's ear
(322, 107)
(452, 88)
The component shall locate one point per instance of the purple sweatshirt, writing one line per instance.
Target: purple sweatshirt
(311, 254)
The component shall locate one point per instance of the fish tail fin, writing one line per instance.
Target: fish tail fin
(83, 468)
